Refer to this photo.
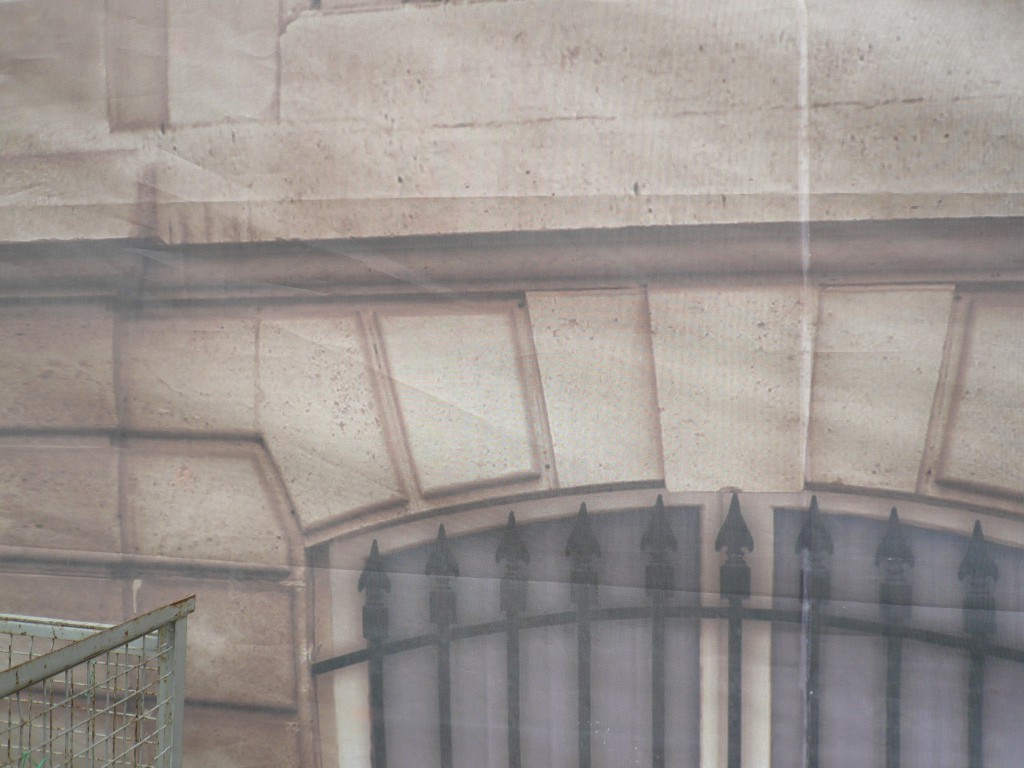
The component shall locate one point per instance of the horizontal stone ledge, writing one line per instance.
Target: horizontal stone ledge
(978, 248)
(104, 562)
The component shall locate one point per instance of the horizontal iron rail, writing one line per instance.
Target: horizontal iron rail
(40, 668)
(498, 626)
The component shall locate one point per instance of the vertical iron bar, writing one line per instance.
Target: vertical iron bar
(975, 702)
(658, 540)
(980, 572)
(444, 696)
(583, 677)
(814, 543)
(441, 566)
(894, 557)
(734, 585)
(735, 733)
(512, 677)
(583, 550)
(375, 582)
(512, 549)
(658, 682)
(893, 674)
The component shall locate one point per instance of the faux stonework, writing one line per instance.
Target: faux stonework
(877, 359)
(203, 501)
(221, 737)
(730, 367)
(982, 446)
(462, 397)
(58, 367)
(597, 372)
(319, 415)
(241, 650)
(189, 372)
(42, 479)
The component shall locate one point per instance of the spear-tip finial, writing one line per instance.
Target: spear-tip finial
(373, 576)
(582, 543)
(977, 562)
(893, 546)
(814, 535)
(658, 536)
(512, 547)
(441, 561)
(734, 535)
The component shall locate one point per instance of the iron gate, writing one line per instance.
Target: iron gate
(893, 558)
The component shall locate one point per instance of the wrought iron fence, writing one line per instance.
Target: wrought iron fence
(77, 695)
(893, 558)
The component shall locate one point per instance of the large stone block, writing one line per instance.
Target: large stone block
(223, 62)
(203, 501)
(462, 396)
(880, 116)
(320, 417)
(58, 367)
(73, 598)
(59, 494)
(222, 737)
(189, 372)
(982, 441)
(240, 638)
(597, 372)
(877, 358)
(136, 63)
(731, 368)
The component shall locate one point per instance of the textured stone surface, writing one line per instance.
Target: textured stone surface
(223, 60)
(190, 372)
(597, 373)
(729, 367)
(136, 63)
(202, 501)
(75, 598)
(461, 395)
(882, 115)
(877, 359)
(58, 367)
(240, 644)
(983, 437)
(320, 418)
(217, 737)
(42, 481)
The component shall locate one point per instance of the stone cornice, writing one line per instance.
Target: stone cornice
(971, 249)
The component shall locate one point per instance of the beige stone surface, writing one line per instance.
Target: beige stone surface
(982, 446)
(189, 372)
(58, 366)
(223, 60)
(59, 494)
(219, 737)
(136, 47)
(202, 501)
(240, 641)
(729, 366)
(320, 418)
(51, 60)
(892, 90)
(597, 372)
(461, 395)
(75, 598)
(877, 358)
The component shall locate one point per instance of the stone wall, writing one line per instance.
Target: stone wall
(230, 121)
(154, 447)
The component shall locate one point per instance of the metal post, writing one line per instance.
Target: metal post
(814, 543)
(375, 583)
(658, 540)
(583, 550)
(441, 566)
(512, 549)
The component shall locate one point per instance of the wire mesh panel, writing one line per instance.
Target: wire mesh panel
(87, 696)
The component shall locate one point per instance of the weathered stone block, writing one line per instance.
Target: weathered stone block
(223, 60)
(240, 640)
(219, 737)
(730, 366)
(320, 418)
(462, 396)
(59, 494)
(75, 598)
(203, 501)
(982, 446)
(597, 372)
(877, 359)
(189, 372)
(58, 367)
